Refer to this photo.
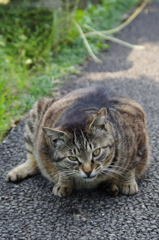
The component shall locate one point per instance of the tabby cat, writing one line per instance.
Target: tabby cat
(87, 137)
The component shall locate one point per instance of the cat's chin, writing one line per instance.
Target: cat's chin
(89, 179)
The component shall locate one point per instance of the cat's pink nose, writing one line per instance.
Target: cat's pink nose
(88, 173)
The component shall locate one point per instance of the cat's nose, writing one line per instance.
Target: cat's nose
(88, 173)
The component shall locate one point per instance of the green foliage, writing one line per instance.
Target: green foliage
(39, 46)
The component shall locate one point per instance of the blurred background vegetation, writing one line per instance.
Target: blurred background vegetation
(40, 45)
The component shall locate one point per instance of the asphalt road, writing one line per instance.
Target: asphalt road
(30, 211)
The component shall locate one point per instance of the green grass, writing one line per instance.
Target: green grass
(40, 47)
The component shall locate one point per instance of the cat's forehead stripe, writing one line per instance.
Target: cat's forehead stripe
(84, 140)
(75, 142)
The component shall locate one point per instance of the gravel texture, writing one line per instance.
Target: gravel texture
(30, 211)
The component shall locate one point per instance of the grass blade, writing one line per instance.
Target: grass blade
(86, 42)
(123, 25)
(113, 39)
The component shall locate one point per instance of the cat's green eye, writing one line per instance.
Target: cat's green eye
(96, 152)
(72, 158)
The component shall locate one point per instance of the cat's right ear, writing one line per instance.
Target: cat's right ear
(56, 137)
(100, 119)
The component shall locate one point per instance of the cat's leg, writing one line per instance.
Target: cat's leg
(128, 184)
(24, 170)
(112, 186)
(63, 187)
(113, 189)
(143, 162)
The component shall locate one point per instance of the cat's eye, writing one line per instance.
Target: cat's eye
(73, 158)
(96, 152)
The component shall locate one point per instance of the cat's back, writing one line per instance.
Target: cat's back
(98, 97)
(76, 106)
(85, 99)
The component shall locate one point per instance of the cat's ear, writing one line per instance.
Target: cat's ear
(100, 119)
(56, 136)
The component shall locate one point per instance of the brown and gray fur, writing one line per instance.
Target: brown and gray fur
(79, 125)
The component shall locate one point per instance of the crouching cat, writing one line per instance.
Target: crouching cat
(89, 136)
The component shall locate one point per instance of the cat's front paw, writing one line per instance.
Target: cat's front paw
(62, 190)
(128, 188)
(113, 190)
(16, 174)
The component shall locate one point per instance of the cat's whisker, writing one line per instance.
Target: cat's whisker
(106, 173)
(97, 168)
(113, 171)
(117, 167)
(68, 147)
(67, 172)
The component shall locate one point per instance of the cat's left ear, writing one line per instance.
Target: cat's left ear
(100, 119)
(56, 136)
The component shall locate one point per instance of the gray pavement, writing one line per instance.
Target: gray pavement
(30, 211)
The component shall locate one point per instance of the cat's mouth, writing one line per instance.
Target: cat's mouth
(89, 178)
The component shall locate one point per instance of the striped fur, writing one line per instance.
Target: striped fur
(87, 137)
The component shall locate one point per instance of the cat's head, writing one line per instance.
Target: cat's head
(86, 152)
